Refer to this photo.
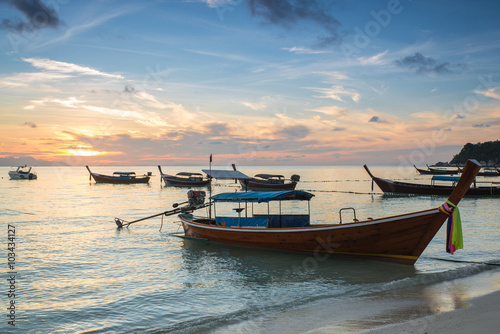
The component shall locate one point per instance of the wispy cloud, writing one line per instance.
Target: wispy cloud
(219, 3)
(63, 67)
(26, 79)
(226, 56)
(337, 93)
(334, 76)
(149, 119)
(492, 92)
(374, 60)
(301, 50)
(335, 111)
(89, 24)
(254, 106)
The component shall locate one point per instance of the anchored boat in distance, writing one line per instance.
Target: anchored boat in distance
(119, 177)
(184, 179)
(268, 182)
(23, 173)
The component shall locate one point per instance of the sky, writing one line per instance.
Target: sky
(253, 82)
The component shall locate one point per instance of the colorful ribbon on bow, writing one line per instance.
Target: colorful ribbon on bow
(454, 239)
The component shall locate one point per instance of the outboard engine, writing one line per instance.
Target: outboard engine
(196, 197)
(295, 177)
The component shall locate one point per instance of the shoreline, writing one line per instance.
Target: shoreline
(463, 305)
(480, 315)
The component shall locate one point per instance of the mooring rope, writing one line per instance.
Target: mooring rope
(342, 191)
(161, 226)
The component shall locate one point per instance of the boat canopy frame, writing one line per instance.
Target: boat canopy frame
(264, 197)
(189, 174)
(269, 176)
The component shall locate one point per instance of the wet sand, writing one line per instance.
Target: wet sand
(463, 305)
(481, 315)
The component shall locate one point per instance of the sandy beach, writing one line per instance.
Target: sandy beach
(464, 305)
(480, 315)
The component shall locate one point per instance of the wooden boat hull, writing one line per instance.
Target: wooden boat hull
(400, 239)
(173, 181)
(256, 185)
(124, 178)
(100, 178)
(489, 173)
(395, 187)
(431, 171)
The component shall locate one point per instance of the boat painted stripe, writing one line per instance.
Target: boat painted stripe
(312, 227)
(408, 257)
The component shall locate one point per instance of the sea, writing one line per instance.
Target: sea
(68, 268)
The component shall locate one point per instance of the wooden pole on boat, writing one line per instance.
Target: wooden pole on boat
(121, 223)
(161, 173)
(469, 173)
(210, 188)
(90, 173)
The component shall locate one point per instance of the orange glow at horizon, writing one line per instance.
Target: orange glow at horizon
(85, 153)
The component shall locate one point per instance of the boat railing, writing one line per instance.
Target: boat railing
(354, 213)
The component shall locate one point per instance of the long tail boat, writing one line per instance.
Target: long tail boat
(119, 177)
(437, 171)
(263, 182)
(397, 187)
(400, 238)
(184, 179)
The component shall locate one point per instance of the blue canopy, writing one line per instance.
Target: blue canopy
(445, 178)
(264, 196)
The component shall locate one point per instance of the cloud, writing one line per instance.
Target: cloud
(427, 65)
(129, 89)
(481, 125)
(334, 76)
(220, 3)
(217, 128)
(25, 79)
(63, 67)
(492, 92)
(300, 50)
(254, 106)
(37, 16)
(331, 111)
(30, 124)
(376, 119)
(336, 93)
(148, 119)
(336, 129)
(294, 131)
(287, 13)
(373, 60)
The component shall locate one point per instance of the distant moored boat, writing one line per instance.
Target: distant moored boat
(22, 173)
(120, 177)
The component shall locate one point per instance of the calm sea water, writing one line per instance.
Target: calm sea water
(77, 273)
